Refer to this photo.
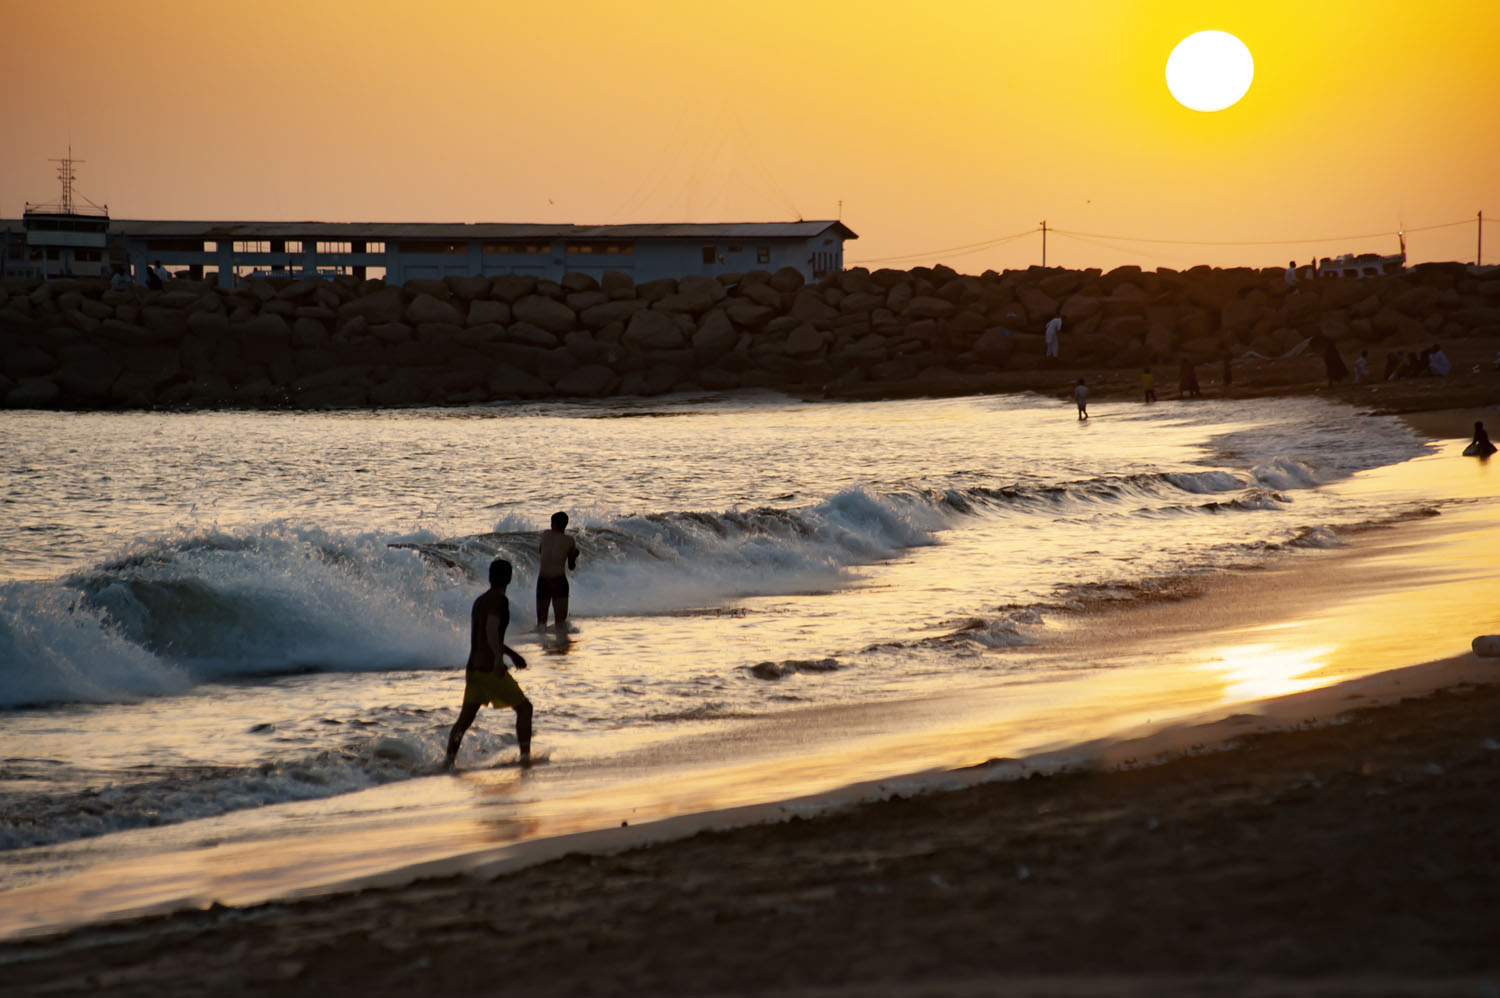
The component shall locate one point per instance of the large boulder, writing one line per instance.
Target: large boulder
(809, 307)
(925, 307)
(468, 287)
(747, 314)
(428, 308)
(553, 316)
(25, 360)
(385, 305)
(787, 279)
(994, 346)
(695, 295)
(716, 335)
(620, 310)
(483, 311)
(528, 334)
(652, 330)
(590, 380)
(33, 393)
(805, 341)
(617, 285)
(510, 288)
(655, 291)
(578, 282)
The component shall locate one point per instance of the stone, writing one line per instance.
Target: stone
(695, 295)
(1077, 308)
(655, 291)
(510, 288)
(481, 334)
(924, 307)
(761, 294)
(482, 311)
(157, 365)
(333, 396)
(579, 282)
(787, 279)
(809, 307)
(385, 305)
(1040, 306)
(391, 332)
(899, 297)
(580, 300)
(428, 308)
(528, 334)
(652, 330)
(318, 312)
(1061, 284)
(860, 303)
(590, 381)
(33, 393)
(553, 365)
(716, 335)
(617, 285)
(600, 315)
(805, 340)
(994, 346)
(747, 314)
(87, 379)
(468, 287)
(545, 313)
(309, 333)
(27, 360)
(438, 337)
(1486, 645)
(584, 347)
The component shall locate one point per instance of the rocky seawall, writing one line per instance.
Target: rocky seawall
(343, 343)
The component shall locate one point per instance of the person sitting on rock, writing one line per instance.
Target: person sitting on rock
(1480, 446)
(1437, 362)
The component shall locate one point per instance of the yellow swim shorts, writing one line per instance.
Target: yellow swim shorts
(498, 689)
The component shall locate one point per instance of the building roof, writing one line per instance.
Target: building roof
(748, 231)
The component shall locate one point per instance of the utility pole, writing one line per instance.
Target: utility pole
(1479, 248)
(1044, 244)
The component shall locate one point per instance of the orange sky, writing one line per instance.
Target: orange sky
(941, 126)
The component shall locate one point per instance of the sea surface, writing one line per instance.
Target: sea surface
(204, 614)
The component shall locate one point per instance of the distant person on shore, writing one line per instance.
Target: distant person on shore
(154, 279)
(1081, 396)
(1480, 446)
(1187, 380)
(557, 551)
(118, 281)
(1291, 276)
(1392, 365)
(1228, 375)
(1333, 364)
(486, 679)
(1054, 326)
(1148, 385)
(1362, 367)
(1437, 362)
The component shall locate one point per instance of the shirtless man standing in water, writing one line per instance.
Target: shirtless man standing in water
(487, 680)
(557, 549)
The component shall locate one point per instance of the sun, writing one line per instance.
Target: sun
(1209, 71)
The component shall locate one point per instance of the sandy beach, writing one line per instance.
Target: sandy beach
(1334, 840)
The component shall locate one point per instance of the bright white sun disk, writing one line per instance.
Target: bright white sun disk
(1209, 71)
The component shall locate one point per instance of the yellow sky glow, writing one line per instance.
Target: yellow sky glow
(941, 127)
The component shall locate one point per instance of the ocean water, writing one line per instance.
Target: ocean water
(205, 614)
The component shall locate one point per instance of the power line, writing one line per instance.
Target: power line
(961, 250)
(1263, 242)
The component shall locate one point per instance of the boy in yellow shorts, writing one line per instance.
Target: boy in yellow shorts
(487, 680)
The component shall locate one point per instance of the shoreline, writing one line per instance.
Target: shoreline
(165, 952)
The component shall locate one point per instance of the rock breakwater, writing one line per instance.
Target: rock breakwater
(344, 343)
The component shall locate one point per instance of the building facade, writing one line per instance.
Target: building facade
(398, 252)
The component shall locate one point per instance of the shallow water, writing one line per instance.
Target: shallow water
(217, 613)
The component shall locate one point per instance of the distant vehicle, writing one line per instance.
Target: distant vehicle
(1365, 264)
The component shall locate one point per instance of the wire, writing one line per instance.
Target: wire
(961, 250)
(1259, 242)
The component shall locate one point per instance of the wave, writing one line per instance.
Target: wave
(195, 606)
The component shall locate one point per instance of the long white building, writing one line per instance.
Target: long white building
(399, 252)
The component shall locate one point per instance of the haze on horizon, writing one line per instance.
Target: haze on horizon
(934, 131)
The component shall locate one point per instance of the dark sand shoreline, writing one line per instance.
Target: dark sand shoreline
(1352, 852)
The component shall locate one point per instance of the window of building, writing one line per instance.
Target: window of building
(293, 246)
(209, 246)
(334, 247)
(252, 246)
(762, 254)
(708, 255)
(434, 247)
(375, 248)
(602, 249)
(517, 247)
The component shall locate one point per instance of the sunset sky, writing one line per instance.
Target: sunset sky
(942, 127)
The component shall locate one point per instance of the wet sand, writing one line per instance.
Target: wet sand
(1335, 841)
